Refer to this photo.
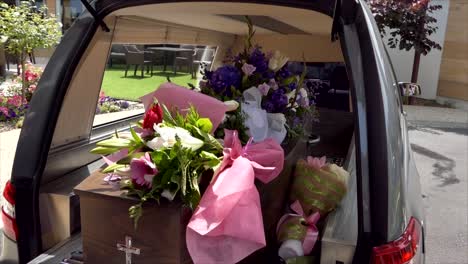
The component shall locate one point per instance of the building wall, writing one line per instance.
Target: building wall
(453, 81)
(429, 67)
(51, 6)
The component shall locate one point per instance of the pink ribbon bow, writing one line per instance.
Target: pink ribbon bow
(227, 225)
(312, 230)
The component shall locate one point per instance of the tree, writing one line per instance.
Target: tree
(25, 28)
(409, 24)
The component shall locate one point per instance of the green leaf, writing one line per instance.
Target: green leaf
(210, 159)
(119, 143)
(113, 167)
(135, 212)
(205, 125)
(167, 176)
(127, 159)
(104, 150)
(168, 116)
(289, 80)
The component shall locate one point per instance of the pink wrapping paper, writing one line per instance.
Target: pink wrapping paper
(227, 226)
(173, 95)
(312, 230)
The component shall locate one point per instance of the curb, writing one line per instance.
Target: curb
(438, 124)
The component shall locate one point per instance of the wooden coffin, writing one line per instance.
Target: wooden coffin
(159, 238)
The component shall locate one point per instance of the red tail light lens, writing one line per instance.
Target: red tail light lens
(10, 228)
(402, 250)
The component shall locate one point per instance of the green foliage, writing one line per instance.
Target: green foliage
(179, 168)
(26, 27)
(409, 23)
(109, 107)
(19, 123)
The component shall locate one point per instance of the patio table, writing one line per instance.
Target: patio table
(168, 50)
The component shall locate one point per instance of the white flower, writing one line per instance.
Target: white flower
(3, 39)
(303, 93)
(167, 138)
(168, 195)
(124, 172)
(277, 61)
(231, 105)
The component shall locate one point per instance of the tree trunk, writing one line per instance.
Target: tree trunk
(416, 62)
(414, 74)
(2, 61)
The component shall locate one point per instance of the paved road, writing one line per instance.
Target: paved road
(441, 156)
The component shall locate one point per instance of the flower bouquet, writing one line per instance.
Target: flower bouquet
(273, 101)
(183, 142)
(165, 155)
(171, 154)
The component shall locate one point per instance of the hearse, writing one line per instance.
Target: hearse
(381, 218)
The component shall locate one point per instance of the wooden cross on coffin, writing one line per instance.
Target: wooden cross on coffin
(128, 249)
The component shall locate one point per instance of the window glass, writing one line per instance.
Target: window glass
(135, 70)
(70, 10)
(328, 81)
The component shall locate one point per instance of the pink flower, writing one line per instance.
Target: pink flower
(143, 171)
(16, 101)
(273, 85)
(32, 88)
(264, 88)
(316, 163)
(4, 110)
(248, 69)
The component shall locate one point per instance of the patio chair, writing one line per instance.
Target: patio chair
(14, 59)
(134, 56)
(156, 58)
(202, 59)
(184, 58)
(117, 54)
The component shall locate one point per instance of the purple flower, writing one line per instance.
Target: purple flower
(272, 83)
(12, 113)
(248, 69)
(223, 79)
(269, 74)
(143, 171)
(284, 73)
(259, 60)
(124, 104)
(264, 88)
(277, 103)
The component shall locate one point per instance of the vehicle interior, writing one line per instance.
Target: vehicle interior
(214, 30)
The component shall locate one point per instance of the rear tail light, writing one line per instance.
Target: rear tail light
(402, 250)
(10, 228)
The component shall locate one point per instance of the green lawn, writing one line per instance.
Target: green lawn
(133, 87)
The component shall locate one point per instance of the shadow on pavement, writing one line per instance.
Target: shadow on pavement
(443, 168)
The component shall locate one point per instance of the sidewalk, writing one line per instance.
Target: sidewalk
(437, 116)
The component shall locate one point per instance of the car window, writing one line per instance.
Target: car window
(328, 82)
(134, 70)
(399, 99)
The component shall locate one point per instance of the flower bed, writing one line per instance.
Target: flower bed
(107, 104)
